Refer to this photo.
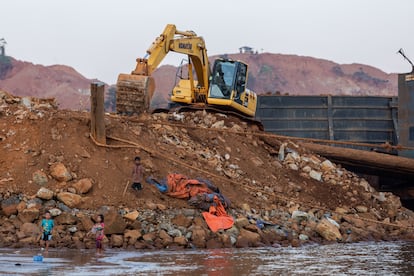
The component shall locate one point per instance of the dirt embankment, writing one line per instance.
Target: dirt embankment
(281, 194)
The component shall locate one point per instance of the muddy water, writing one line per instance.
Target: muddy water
(339, 259)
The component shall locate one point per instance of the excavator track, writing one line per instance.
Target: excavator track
(213, 109)
(134, 93)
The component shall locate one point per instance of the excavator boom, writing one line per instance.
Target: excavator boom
(135, 90)
(222, 89)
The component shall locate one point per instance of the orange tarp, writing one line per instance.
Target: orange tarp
(180, 186)
(217, 217)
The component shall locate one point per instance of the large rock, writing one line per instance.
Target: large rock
(117, 240)
(247, 238)
(180, 240)
(361, 209)
(167, 239)
(355, 221)
(83, 186)
(9, 205)
(181, 220)
(226, 240)
(300, 215)
(328, 230)
(199, 237)
(55, 212)
(114, 223)
(21, 206)
(218, 124)
(66, 219)
(69, 199)
(245, 207)
(394, 204)
(132, 216)
(40, 178)
(149, 237)
(28, 215)
(241, 222)
(342, 210)
(60, 172)
(214, 243)
(175, 233)
(86, 222)
(315, 175)
(30, 229)
(34, 203)
(44, 193)
(132, 236)
(7, 228)
(327, 166)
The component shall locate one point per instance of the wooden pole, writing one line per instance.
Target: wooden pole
(366, 159)
(98, 112)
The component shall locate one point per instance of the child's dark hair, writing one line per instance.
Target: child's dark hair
(102, 217)
(47, 212)
(137, 158)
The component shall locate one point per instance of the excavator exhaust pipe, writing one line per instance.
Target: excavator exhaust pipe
(134, 94)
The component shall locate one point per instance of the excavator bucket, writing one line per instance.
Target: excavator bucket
(134, 93)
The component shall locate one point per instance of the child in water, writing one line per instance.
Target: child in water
(47, 226)
(98, 230)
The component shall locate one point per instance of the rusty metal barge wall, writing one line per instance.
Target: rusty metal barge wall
(406, 112)
(361, 119)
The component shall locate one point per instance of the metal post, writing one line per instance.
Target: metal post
(330, 119)
(98, 112)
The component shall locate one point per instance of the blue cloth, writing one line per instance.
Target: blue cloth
(162, 187)
(47, 225)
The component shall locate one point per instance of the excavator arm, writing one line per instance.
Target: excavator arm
(135, 90)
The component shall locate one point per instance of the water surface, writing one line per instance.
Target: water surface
(371, 258)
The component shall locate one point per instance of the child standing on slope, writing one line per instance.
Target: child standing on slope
(98, 230)
(47, 226)
(137, 174)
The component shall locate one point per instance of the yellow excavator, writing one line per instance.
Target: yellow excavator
(223, 88)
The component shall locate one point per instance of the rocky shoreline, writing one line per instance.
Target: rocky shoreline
(157, 226)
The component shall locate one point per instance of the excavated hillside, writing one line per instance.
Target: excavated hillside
(64, 83)
(261, 175)
(268, 73)
(295, 75)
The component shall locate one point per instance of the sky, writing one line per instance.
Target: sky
(102, 38)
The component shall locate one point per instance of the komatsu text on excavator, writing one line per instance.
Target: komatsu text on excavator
(223, 88)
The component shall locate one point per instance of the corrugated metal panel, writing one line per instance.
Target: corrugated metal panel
(343, 118)
(406, 112)
(300, 116)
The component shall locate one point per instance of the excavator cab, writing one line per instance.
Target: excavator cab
(228, 87)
